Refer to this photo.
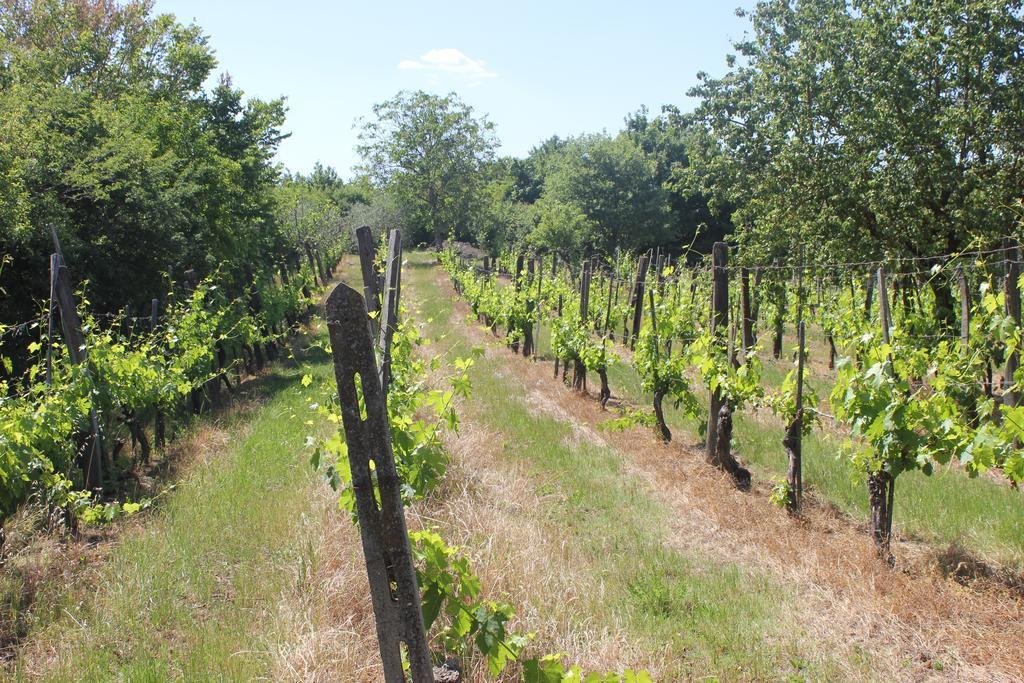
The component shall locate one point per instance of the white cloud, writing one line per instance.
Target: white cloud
(448, 60)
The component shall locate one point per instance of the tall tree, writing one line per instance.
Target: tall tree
(870, 127)
(429, 151)
(616, 187)
(106, 132)
(665, 139)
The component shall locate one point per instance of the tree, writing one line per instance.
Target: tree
(429, 151)
(562, 228)
(108, 134)
(665, 139)
(615, 186)
(874, 128)
(500, 222)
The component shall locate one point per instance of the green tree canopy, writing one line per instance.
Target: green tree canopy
(106, 132)
(430, 153)
(615, 185)
(869, 127)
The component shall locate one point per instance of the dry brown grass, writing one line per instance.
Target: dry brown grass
(329, 612)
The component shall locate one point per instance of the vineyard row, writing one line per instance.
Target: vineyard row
(914, 384)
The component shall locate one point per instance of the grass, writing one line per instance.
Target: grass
(194, 592)
(707, 617)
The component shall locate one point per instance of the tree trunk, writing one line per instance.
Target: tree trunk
(945, 306)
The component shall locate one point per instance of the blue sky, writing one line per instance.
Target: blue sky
(535, 68)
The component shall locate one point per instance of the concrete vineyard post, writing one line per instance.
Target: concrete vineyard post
(371, 290)
(1013, 310)
(389, 314)
(394, 592)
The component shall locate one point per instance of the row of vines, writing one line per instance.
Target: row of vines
(914, 385)
(62, 405)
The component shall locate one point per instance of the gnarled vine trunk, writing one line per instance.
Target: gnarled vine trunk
(722, 455)
(579, 375)
(528, 340)
(791, 442)
(659, 415)
(606, 393)
(880, 500)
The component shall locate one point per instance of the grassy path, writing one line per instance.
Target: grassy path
(684, 614)
(200, 588)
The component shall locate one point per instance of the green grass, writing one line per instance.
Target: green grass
(195, 593)
(713, 618)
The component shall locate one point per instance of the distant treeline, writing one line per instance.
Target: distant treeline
(872, 129)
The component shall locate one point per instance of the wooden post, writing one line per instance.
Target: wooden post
(559, 313)
(389, 313)
(1013, 310)
(528, 341)
(608, 308)
(965, 310)
(883, 305)
(793, 441)
(869, 295)
(881, 485)
(579, 371)
(638, 298)
(748, 323)
(719, 320)
(780, 314)
(371, 290)
(71, 325)
(394, 592)
(536, 328)
(54, 265)
(517, 285)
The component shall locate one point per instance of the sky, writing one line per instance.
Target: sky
(535, 68)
